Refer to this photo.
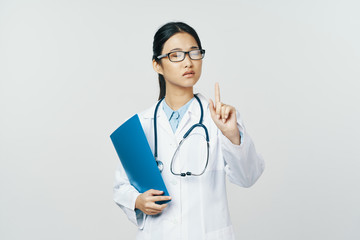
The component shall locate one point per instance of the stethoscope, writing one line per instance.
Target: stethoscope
(160, 163)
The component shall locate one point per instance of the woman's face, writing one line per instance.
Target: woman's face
(182, 74)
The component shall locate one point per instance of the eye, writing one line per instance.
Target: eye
(175, 54)
(195, 52)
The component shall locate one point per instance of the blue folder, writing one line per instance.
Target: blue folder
(136, 157)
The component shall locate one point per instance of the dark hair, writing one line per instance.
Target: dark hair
(161, 36)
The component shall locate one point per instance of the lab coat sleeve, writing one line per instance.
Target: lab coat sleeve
(125, 196)
(243, 165)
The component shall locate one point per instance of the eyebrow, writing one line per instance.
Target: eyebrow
(175, 49)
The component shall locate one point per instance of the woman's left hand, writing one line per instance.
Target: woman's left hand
(224, 116)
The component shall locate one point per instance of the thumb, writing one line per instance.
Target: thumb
(155, 192)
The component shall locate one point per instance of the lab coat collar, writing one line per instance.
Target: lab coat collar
(194, 108)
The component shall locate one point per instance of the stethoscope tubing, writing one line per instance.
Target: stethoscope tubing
(200, 124)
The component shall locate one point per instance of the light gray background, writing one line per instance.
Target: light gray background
(72, 71)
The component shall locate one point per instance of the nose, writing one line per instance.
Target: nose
(187, 61)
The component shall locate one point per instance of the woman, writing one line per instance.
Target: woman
(198, 207)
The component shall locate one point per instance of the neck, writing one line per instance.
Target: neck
(175, 99)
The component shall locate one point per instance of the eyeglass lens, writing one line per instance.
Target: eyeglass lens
(179, 56)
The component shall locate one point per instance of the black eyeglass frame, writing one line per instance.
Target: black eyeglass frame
(202, 52)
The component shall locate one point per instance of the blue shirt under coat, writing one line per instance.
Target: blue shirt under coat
(175, 116)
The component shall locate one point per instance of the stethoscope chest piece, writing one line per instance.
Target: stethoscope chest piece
(160, 165)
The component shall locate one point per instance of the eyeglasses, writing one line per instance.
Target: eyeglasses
(178, 56)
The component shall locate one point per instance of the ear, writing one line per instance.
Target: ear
(157, 67)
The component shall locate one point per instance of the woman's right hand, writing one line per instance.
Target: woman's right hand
(146, 202)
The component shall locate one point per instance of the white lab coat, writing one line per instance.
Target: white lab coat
(199, 208)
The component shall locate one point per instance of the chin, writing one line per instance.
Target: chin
(191, 80)
(189, 83)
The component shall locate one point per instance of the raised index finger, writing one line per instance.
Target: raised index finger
(217, 93)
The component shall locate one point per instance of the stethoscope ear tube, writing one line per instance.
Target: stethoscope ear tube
(172, 159)
(189, 173)
(207, 161)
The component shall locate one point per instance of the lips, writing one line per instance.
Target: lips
(189, 73)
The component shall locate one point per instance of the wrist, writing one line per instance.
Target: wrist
(233, 136)
(137, 203)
